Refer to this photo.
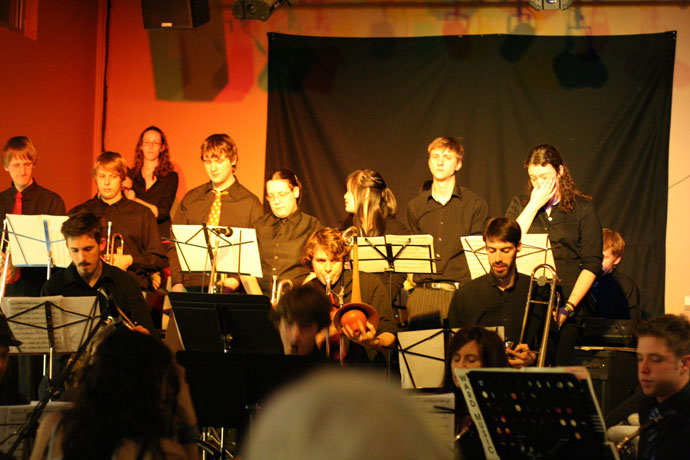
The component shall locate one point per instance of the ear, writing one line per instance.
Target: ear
(519, 247)
(459, 165)
(101, 245)
(617, 261)
(295, 192)
(560, 170)
(685, 363)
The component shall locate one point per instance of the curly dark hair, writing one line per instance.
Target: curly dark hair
(546, 154)
(331, 241)
(164, 164)
(127, 392)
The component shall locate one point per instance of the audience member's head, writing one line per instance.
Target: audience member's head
(342, 415)
(301, 313)
(663, 355)
(128, 390)
(473, 347)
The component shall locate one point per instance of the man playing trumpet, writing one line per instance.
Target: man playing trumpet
(325, 254)
(498, 298)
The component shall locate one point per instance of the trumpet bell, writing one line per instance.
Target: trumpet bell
(344, 316)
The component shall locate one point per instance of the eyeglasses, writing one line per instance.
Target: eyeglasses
(279, 195)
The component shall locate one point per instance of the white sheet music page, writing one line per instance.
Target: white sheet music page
(29, 323)
(27, 235)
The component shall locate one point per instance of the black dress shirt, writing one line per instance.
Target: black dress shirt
(464, 214)
(673, 430)
(576, 238)
(614, 295)
(239, 208)
(136, 223)
(124, 290)
(35, 200)
(161, 194)
(481, 303)
(281, 243)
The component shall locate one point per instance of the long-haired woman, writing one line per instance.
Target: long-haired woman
(131, 402)
(554, 205)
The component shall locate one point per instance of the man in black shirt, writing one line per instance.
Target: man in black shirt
(663, 368)
(88, 275)
(301, 313)
(143, 254)
(446, 211)
(25, 196)
(221, 201)
(499, 297)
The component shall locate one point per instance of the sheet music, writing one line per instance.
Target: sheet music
(13, 417)
(34, 332)
(535, 250)
(193, 253)
(426, 372)
(30, 326)
(415, 258)
(28, 240)
(439, 412)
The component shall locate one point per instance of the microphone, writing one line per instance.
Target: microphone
(222, 231)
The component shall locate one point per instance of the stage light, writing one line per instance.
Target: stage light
(550, 4)
(256, 9)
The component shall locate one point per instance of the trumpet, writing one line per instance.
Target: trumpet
(278, 288)
(115, 244)
(554, 299)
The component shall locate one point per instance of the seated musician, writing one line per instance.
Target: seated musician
(143, 254)
(301, 313)
(663, 368)
(89, 275)
(281, 233)
(220, 201)
(613, 294)
(499, 297)
(325, 255)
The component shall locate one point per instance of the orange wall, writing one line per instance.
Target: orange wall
(48, 92)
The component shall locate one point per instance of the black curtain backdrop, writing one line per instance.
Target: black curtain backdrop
(340, 104)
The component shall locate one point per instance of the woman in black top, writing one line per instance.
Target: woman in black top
(372, 207)
(152, 181)
(555, 206)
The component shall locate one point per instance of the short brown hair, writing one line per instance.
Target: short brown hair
(328, 239)
(19, 147)
(83, 224)
(674, 329)
(219, 146)
(503, 229)
(614, 241)
(111, 161)
(304, 305)
(454, 144)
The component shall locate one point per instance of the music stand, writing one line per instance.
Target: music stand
(32, 241)
(231, 323)
(396, 254)
(535, 413)
(48, 325)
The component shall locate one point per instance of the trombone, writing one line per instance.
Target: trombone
(554, 299)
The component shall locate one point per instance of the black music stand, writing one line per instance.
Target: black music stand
(230, 323)
(536, 413)
(226, 388)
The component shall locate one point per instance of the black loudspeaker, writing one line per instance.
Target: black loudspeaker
(613, 372)
(174, 14)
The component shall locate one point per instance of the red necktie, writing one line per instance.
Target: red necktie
(17, 208)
